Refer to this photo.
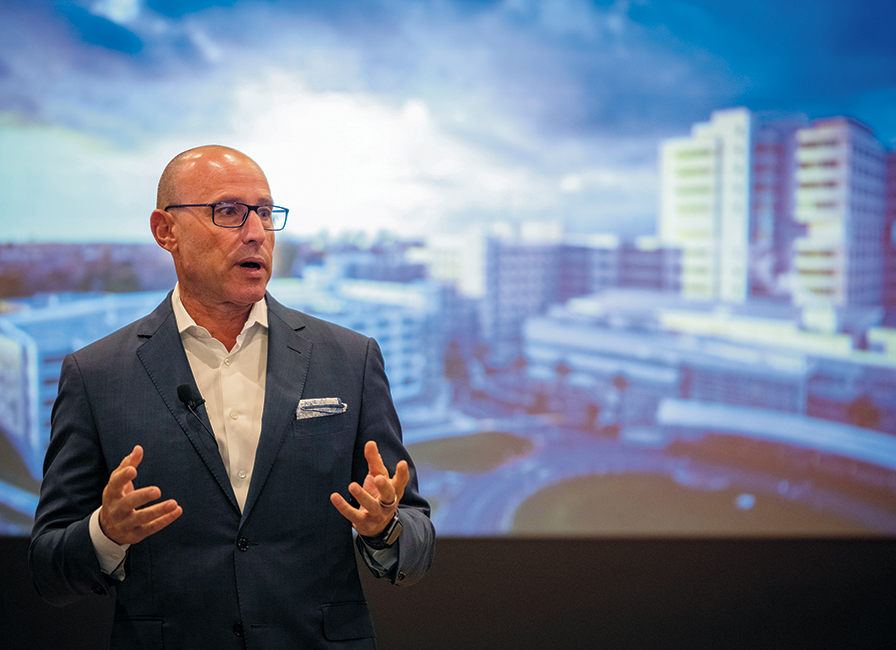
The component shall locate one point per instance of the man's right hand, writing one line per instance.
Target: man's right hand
(122, 517)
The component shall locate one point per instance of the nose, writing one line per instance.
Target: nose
(253, 229)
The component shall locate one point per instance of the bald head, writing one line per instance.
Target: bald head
(193, 163)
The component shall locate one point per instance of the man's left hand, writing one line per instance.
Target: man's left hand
(379, 496)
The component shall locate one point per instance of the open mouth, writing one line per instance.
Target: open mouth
(250, 265)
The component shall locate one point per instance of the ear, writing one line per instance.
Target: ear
(162, 225)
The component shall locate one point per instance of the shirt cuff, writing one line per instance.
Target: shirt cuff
(110, 555)
(380, 561)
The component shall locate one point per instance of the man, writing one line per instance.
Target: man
(222, 522)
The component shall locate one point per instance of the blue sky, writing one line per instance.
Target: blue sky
(411, 116)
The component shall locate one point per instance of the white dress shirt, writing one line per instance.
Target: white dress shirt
(232, 383)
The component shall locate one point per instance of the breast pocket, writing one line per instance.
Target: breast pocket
(322, 425)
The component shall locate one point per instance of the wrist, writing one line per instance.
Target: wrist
(387, 537)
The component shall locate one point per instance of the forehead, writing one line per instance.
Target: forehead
(218, 173)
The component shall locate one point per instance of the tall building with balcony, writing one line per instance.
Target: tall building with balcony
(705, 205)
(840, 180)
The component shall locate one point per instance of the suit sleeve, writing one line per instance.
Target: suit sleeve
(379, 422)
(63, 563)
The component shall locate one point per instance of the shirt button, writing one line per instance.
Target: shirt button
(227, 361)
(234, 415)
(241, 474)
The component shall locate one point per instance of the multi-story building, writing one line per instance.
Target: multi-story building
(780, 209)
(772, 225)
(754, 355)
(889, 241)
(705, 204)
(646, 264)
(28, 269)
(33, 344)
(840, 200)
(588, 264)
(405, 319)
(385, 266)
(521, 279)
(456, 258)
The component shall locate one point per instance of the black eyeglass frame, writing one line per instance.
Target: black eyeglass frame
(249, 208)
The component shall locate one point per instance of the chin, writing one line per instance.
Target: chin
(250, 295)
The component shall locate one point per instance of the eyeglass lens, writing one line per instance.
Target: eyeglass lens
(233, 215)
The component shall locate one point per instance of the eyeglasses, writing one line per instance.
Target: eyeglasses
(234, 215)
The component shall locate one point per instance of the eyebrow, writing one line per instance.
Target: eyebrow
(265, 201)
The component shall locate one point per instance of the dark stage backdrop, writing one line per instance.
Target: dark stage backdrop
(496, 594)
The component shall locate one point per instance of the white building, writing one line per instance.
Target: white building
(457, 258)
(705, 183)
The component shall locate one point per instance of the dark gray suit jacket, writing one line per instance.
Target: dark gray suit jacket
(281, 574)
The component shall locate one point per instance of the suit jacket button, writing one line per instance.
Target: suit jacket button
(242, 544)
(238, 629)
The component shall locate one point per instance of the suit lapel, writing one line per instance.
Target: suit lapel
(289, 356)
(162, 355)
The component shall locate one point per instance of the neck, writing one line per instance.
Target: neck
(224, 322)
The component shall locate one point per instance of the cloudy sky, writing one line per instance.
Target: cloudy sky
(412, 116)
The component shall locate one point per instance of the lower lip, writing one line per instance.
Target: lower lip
(251, 270)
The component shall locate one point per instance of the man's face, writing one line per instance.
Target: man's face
(221, 268)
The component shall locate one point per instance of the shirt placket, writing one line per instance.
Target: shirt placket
(235, 420)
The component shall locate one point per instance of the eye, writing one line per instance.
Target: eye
(227, 210)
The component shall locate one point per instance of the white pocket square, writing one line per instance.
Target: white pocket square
(319, 407)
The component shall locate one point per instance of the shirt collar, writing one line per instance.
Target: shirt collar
(258, 315)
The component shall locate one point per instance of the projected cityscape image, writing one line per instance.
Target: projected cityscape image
(630, 277)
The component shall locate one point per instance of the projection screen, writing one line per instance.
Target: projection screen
(631, 264)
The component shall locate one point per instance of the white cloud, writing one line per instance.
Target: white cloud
(118, 11)
(352, 161)
(416, 134)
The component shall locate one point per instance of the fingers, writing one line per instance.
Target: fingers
(361, 519)
(371, 516)
(126, 471)
(388, 490)
(155, 518)
(374, 460)
(391, 490)
(365, 499)
(132, 459)
(138, 498)
(125, 517)
(402, 476)
(344, 507)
